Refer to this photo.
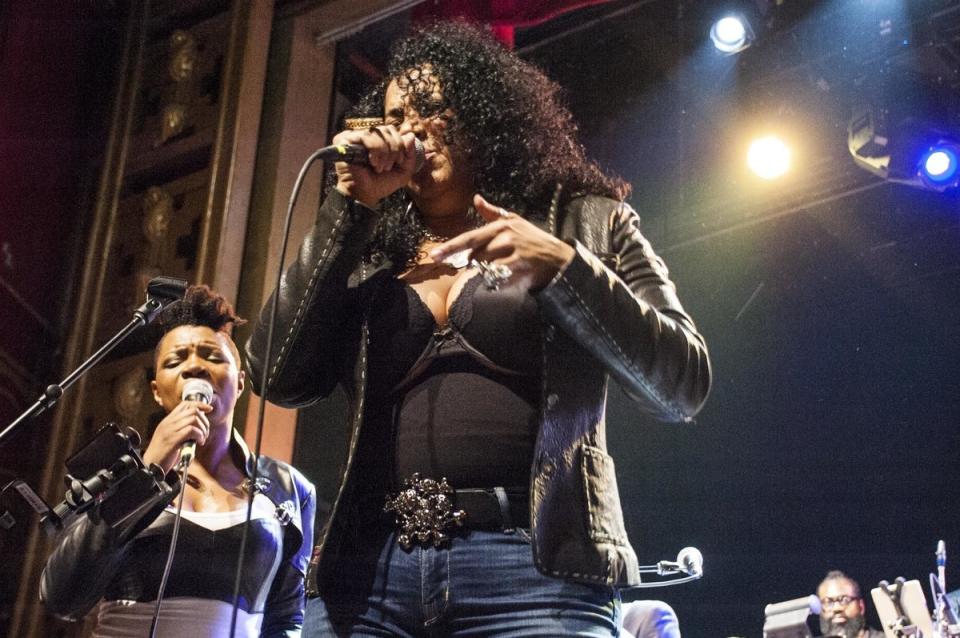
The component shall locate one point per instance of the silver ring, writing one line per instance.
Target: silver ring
(494, 275)
(503, 212)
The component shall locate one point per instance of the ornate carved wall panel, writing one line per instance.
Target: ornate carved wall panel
(180, 124)
(179, 97)
(157, 232)
(123, 395)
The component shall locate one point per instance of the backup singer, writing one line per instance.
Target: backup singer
(89, 566)
(474, 310)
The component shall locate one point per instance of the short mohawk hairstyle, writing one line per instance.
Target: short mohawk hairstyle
(200, 306)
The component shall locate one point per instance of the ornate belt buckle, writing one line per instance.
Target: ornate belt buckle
(424, 512)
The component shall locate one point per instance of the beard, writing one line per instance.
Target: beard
(849, 629)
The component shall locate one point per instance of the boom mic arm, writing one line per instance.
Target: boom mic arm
(161, 292)
(689, 563)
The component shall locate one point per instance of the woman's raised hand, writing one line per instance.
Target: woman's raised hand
(533, 256)
(392, 160)
(187, 421)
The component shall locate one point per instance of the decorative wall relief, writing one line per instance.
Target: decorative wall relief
(158, 208)
(120, 392)
(182, 69)
(157, 233)
(130, 393)
(179, 95)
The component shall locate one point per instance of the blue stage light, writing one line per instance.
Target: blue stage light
(939, 165)
(904, 150)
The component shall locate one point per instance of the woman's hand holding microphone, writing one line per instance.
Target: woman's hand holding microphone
(187, 421)
(392, 161)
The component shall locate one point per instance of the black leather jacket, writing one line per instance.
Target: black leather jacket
(613, 312)
(88, 556)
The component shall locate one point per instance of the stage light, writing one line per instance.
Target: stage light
(904, 151)
(768, 157)
(731, 34)
(938, 166)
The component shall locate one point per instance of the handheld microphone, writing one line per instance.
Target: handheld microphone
(691, 561)
(359, 154)
(170, 288)
(194, 390)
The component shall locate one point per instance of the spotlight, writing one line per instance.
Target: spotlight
(938, 166)
(731, 34)
(768, 157)
(905, 151)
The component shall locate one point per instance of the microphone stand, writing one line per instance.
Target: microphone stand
(161, 292)
(666, 568)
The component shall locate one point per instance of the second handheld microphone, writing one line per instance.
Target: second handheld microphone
(194, 390)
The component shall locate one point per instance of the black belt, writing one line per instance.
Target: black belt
(495, 508)
(428, 511)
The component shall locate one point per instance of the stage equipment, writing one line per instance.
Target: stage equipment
(98, 470)
(732, 33)
(904, 151)
(161, 292)
(789, 618)
(194, 390)
(109, 473)
(689, 562)
(903, 609)
(358, 154)
(938, 166)
(768, 157)
(944, 615)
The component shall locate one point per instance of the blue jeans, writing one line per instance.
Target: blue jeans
(481, 584)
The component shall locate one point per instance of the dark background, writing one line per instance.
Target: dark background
(830, 299)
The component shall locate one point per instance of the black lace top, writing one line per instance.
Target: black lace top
(459, 401)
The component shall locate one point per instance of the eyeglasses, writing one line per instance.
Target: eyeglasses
(841, 601)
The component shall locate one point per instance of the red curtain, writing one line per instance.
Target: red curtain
(503, 16)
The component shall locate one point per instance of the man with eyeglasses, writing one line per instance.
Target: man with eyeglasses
(843, 608)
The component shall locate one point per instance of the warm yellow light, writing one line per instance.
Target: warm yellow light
(768, 157)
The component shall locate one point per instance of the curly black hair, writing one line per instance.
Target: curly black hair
(200, 306)
(508, 119)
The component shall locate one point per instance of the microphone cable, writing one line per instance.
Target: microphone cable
(173, 548)
(264, 378)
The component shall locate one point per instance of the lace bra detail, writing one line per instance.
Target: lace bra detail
(498, 329)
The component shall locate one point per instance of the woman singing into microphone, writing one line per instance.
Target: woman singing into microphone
(90, 565)
(474, 311)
